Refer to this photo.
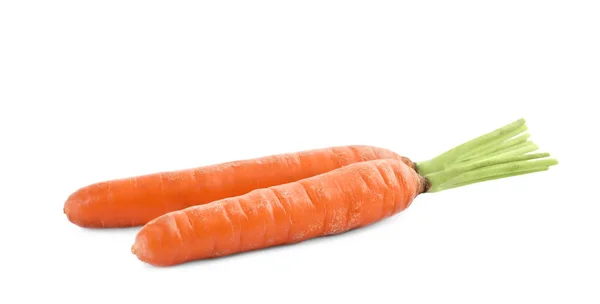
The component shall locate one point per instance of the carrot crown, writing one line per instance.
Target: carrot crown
(502, 153)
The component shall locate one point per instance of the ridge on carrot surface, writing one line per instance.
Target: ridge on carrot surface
(333, 202)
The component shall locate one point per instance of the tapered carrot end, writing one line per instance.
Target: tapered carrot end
(87, 208)
(156, 245)
(73, 210)
(140, 248)
(69, 208)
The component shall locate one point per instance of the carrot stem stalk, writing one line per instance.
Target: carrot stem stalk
(511, 143)
(493, 168)
(485, 141)
(492, 177)
(519, 149)
(495, 143)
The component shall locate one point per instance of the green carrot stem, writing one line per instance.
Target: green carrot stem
(492, 177)
(488, 169)
(518, 149)
(492, 138)
(494, 148)
(493, 144)
(443, 176)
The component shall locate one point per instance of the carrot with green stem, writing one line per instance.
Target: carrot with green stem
(334, 202)
(136, 200)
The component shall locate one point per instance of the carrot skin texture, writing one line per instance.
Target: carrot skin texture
(137, 200)
(346, 198)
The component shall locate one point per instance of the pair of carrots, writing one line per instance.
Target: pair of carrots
(250, 204)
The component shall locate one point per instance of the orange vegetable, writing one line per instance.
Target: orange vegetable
(332, 202)
(136, 200)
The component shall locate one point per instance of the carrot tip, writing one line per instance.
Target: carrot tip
(133, 249)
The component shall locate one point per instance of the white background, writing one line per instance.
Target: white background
(95, 90)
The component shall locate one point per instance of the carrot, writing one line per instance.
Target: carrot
(333, 202)
(342, 199)
(136, 200)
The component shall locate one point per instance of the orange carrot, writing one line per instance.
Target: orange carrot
(136, 200)
(333, 202)
(330, 203)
